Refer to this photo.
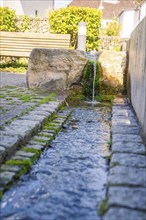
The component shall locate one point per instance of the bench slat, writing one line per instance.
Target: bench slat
(21, 44)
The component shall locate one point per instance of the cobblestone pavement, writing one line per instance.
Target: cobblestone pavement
(22, 113)
(12, 79)
(126, 197)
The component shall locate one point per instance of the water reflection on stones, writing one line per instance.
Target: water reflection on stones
(68, 181)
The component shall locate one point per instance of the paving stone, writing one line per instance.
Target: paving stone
(20, 132)
(131, 160)
(42, 138)
(28, 123)
(10, 168)
(14, 112)
(121, 175)
(36, 147)
(124, 122)
(122, 112)
(2, 154)
(48, 134)
(6, 177)
(39, 118)
(25, 154)
(20, 158)
(44, 109)
(118, 213)
(36, 112)
(135, 148)
(33, 142)
(127, 138)
(125, 130)
(133, 198)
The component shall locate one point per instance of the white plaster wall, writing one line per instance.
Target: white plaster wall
(127, 21)
(143, 11)
(28, 7)
(137, 72)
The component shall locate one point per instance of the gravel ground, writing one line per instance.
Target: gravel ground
(12, 79)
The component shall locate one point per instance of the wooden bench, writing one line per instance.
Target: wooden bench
(18, 44)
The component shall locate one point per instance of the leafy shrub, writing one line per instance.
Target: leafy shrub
(88, 77)
(24, 23)
(7, 19)
(113, 28)
(65, 21)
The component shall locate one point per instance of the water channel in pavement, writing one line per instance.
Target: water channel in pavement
(68, 181)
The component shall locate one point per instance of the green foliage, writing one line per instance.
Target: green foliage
(19, 66)
(113, 28)
(26, 163)
(7, 19)
(65, 21)
(25, 23)
(88, 77)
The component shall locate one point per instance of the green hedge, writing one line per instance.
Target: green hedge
(8, 19)
(65, 21)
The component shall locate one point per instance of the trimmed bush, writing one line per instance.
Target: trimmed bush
(8, 19)
(113, 28)
(65, 21)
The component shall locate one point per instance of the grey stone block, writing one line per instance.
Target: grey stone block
(33, 142)
(25, 154)
(131, 160)
(2, 154)
(20, 158)
(10, 168)
(35, 146)
(42, 138)
(125, 176)
(6, 177)
(136, 148)
(36, 112)
(125, 130)
(127, 197)
(20, 132)
(119, 213)
(30, 117)
(124, 122)
(127, 138)
(27, 123)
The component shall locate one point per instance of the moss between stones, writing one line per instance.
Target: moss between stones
(32, 150)
(103, 207)
(26, 163)
(1, 194)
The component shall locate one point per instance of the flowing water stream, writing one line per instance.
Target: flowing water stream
(68, 182)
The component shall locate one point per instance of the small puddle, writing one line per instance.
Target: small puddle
(68, 182)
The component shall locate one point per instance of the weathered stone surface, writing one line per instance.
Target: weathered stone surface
(121, 175)
(6, 177)
(125, 159)
(127, 138)
(113, 64)
(118, 213)
(10, 168)
(136, 148)
(127, 197)
(124, 122)
(55, 69)
(25, 154)
(39, 118)
(27, 123)
(35, 146)
(125, 130)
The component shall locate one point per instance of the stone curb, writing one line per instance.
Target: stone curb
(23, 159)
(127, 175)
(22, 129)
